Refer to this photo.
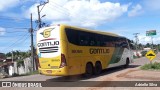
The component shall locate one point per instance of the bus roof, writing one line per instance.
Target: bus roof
(89, 30)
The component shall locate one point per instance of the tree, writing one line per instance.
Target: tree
(140, 46)
(9, 54)
(148, 45)
(18, 54)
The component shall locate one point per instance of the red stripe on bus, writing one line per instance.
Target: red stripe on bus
(48, 39)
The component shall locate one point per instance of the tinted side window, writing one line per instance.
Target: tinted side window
(72, 36)
(87, 38)
(123, 42)
(83, 38)
(109, 41)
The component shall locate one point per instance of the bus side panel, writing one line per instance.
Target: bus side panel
(121, 54)
(107, 58)
(79, 56)
(75, 59)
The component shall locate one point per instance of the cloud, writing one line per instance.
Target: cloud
(152, 4)
(8, 4)
(146, 39)
(2, 31)
(136, 10)
(79, 12)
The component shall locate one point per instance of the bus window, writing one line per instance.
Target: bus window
(92, 40)
(122, 43)
(83, 39)
(98, 40)
(72, 36)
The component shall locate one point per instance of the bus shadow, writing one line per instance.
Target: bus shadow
(75, 78)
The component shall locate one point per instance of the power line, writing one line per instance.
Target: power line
(36, 27)
(39, 11)
(58, 10)
(136, 37)
(27, 43)
(60, 6)
(12, 18)
(14, 43)
(13, 31)
(62, 10)
(16, 27)
(12, 36)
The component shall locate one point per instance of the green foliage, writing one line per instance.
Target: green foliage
(148, 45)
(18, 54)
(153, 66)
(9, 54)
(140, 46)
(159, 47)
(20, 63)
(143, 53)
(1, 63)
(32, 73)
(135, 57)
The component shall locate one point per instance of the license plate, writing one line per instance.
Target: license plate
(49, 71)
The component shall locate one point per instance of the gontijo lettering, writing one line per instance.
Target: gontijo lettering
(98, 51)
(48, 44)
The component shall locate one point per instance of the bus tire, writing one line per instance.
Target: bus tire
(89, 70)
(98, 68)
(127, 63)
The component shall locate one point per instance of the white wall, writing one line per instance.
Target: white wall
(15, 67)
(11, 70)
(27, 65)
(21, 70)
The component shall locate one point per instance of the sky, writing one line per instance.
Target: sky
(123, 17)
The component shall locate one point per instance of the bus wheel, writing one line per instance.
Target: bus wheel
(98, 68)
(89, 70)
(127, 63)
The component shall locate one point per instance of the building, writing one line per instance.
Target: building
(2, 57)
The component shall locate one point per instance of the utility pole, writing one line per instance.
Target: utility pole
(32, 51)
(136, 37)
(39, 17)
(12, 56)
(152, 42)
(39, 13)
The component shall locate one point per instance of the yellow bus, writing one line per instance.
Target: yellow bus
(67, 50)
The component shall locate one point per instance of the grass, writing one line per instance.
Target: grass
(30, 73)
(1, 63)
(135, 57)
(151, 66)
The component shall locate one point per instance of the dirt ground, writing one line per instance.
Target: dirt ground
(133, 73)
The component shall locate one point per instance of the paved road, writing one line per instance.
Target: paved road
(107, 75)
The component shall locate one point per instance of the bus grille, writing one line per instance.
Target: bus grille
(49, 49)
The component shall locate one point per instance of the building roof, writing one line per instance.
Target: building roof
(2, 56)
